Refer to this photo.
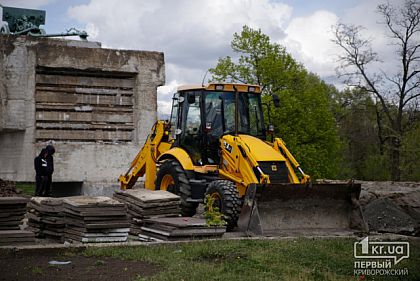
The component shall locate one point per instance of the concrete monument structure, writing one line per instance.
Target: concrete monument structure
(96, 105)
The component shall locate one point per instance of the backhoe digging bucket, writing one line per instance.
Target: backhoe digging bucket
(290, 209)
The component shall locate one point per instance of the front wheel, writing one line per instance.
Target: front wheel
(226, 199)
(171, 177)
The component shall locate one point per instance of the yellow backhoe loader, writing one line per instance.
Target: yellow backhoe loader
(216, 144)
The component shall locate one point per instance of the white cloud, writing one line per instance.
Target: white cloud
(365, 14)
(165, 94)
(168, 90)
(191, 33)
(309, 40)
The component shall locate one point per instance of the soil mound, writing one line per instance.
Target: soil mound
(392, 207)
(8, 188)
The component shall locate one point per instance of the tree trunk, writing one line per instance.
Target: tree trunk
(395, 159)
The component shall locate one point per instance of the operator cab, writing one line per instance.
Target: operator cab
(202, 114)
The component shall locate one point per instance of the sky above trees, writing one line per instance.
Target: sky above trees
(193, 34)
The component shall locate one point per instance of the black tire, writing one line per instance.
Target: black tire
(181, 187)
(227, 200)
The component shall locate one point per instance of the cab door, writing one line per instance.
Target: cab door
(191, 133)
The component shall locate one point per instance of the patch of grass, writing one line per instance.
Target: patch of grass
(36, 270)
(299, 259)
(99, 263)
(27, 188)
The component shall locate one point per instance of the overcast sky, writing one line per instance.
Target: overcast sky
(193, 34)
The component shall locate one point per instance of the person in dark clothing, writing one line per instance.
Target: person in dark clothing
(50, 169)
(41, 178)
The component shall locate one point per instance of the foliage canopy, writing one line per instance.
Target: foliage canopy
(304, 120)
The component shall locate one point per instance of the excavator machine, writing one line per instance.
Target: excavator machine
(216, 144)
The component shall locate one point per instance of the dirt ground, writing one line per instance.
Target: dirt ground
(34, 265)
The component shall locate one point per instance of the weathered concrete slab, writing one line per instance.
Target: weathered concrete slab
(13, 201)
(145, 205)
(147, 196)
(16, 236)
(15, 233)
(46, 201)
(96, 239)
(179, 222)
(178, 228)
(85, 202)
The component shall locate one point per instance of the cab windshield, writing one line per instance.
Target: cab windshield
(220, 114)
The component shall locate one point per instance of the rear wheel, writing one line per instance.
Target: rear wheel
(171, 177)
(226, 199)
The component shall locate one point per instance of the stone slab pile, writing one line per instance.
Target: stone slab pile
(95, 219)
(46, 218)
(178, 228)
(12, 211)
(143, 203)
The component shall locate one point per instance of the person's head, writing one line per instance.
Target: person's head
(44, 153)
(50, 149)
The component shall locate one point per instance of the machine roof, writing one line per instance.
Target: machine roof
(229, 87)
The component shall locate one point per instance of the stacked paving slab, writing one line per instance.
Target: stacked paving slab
(95, 219)
(12, 211)
(143, 203)
(180, 228)
(46, 218)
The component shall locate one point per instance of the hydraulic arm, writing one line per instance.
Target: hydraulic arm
(145, 161)
(280, 146)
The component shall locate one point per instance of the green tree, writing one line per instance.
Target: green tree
(304, 120)
(397, 92)
(362, 152)
(411, 154)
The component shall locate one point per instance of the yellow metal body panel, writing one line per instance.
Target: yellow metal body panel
(164, 146)
(206, 169)
(179, 154)
(240, 157)
(261, 150)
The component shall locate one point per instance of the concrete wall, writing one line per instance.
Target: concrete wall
(97, 106)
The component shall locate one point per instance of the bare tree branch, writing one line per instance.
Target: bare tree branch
(403, 25)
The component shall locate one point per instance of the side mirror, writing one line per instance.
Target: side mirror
(276, 100)
(191, 98)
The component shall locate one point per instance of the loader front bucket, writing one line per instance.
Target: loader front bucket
(290, 209)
